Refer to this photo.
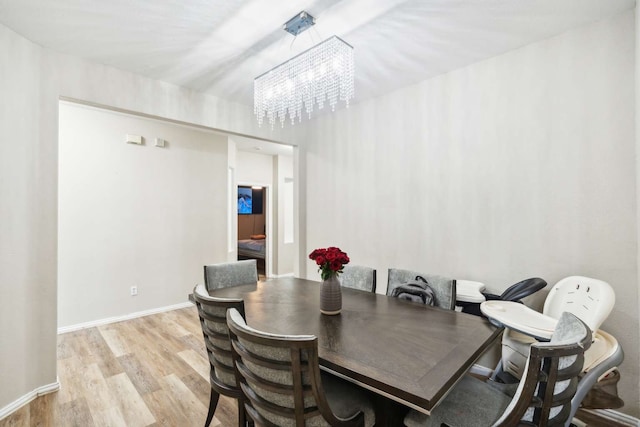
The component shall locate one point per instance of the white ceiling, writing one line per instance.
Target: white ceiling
(220, 46)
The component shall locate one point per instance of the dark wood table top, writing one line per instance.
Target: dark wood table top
(406, 351)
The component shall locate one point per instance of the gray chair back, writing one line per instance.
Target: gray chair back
(543, 397)
(227, 274)
(213, 320)
(359, 277)
(444, 288)
(551, 377)
(280, 378)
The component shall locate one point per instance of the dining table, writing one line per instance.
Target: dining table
(409, 354)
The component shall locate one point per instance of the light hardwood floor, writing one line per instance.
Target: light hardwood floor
(150, 371)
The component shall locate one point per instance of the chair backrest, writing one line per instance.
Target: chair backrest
(551, 374)
(359, 277)
(590, 299)
(280, 377)
(443, 287)
(227, 274)
(213, 319)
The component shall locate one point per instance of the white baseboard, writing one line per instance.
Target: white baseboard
(20, 402)
(108, 320)
(276, 276)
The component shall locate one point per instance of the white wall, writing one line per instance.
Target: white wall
(31, 81)
(28, 221)
(518, 166)
(283, 166)
(637, 164)
(135, 215)
(252, 168)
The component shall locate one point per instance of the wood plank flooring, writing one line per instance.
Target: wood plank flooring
(150, 371)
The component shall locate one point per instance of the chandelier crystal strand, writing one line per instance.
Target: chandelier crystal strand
(322, 75)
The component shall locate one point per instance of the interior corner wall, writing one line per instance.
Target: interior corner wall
(32, 80)
(518, 166)
(135, 215)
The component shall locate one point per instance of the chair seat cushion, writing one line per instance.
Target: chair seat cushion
(345, 398)
(471, 403)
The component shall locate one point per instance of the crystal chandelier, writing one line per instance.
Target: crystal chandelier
(323, 73)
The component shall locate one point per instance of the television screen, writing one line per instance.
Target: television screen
(244, 200)
(250, 200)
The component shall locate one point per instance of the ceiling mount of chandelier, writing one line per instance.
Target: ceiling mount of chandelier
(322, 74)
(299, 23)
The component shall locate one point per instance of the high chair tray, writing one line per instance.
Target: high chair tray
(520, 318)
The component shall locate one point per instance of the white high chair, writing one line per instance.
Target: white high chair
(589, 299)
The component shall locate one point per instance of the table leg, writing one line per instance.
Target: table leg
(389, 413)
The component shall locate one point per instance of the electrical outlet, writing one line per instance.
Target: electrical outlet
(134, 290)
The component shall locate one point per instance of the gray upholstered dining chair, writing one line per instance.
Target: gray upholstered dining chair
(282, 383)
(213, 320)
(543, 396)
(226, 274)
(444, 288)
(359, 277)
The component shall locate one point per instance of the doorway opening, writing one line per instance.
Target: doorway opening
(252, 225)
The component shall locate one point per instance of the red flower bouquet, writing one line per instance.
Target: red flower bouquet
(330, 261)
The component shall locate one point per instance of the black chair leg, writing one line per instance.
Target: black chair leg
(243, 419)
(242, 415)
(213, 403)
